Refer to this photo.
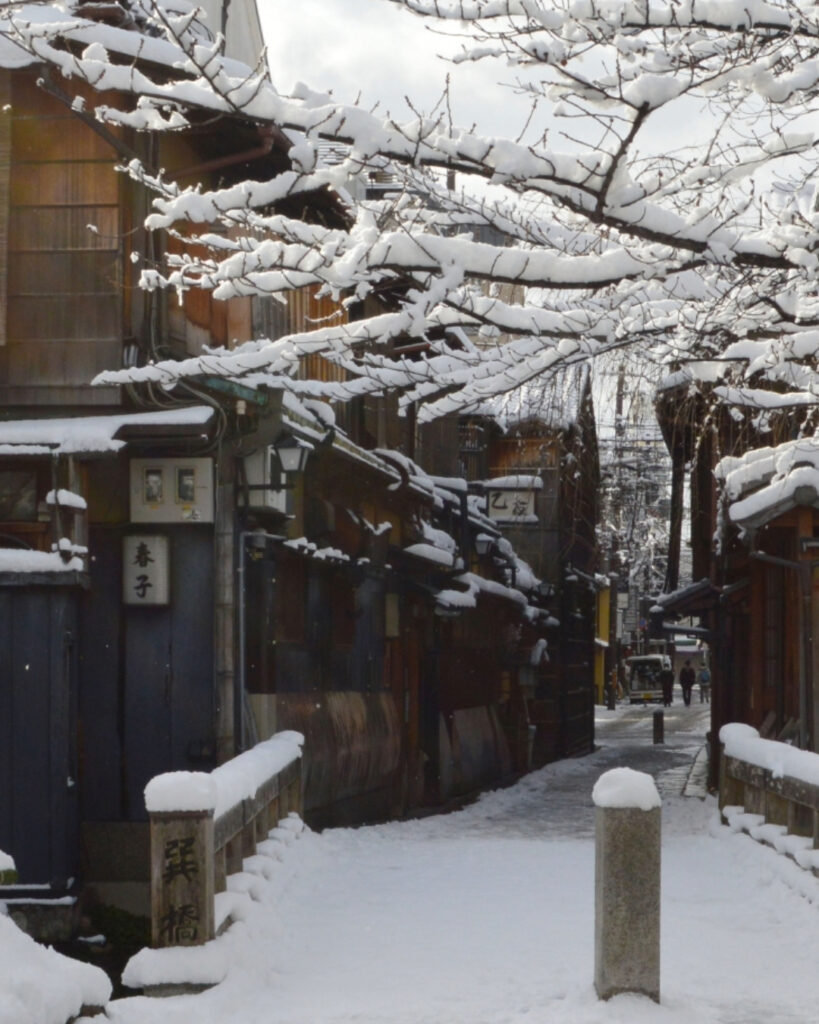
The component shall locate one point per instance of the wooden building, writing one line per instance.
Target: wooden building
(169, 592)
(751, 544)
(533, 454)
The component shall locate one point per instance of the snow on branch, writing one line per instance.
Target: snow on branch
(546, 250)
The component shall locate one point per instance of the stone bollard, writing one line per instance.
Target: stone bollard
(627, 884)
(180, 807)
(659, 727)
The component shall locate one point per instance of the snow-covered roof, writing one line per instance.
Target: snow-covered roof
(133, 36)
(21, 560)
(553, 400)
(515, 482)
(86, 435)
(766, 482)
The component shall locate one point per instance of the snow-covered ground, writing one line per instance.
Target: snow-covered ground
(38, 986)
(486, 915)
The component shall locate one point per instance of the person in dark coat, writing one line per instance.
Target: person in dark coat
(687, 677)
(667, 683)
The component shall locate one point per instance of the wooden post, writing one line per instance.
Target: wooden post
(220, 871)
(298, 786)
(233, 854)
(182, 878)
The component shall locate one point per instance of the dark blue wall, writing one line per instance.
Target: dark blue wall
(38, 731)
(147, 697)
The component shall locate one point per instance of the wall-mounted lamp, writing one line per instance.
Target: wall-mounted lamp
(484, 544)
(289, 456)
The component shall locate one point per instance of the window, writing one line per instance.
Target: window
(18, 495)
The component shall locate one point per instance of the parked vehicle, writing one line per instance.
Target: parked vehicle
(643, 676)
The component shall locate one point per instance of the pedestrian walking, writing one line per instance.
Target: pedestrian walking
(667, 683)
(704, 679)
(687, 677)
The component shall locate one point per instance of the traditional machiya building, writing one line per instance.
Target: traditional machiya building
(532, 455)
(751, 530)
(190, 564)
(768, 539)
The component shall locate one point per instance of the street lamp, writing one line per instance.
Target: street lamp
(484, 544)
(291, 455)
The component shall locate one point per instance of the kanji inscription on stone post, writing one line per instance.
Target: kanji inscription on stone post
(182, 878)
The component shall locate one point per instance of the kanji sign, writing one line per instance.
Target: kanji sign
(508, 504)
(145, 575)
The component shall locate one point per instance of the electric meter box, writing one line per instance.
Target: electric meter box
(171, 490)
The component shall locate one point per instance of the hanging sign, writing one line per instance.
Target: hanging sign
(145, 571)
(508, 504)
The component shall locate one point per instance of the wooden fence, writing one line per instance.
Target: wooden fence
(774, 781)
(198, 842)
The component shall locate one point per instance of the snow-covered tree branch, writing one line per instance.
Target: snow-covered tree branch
(589, 232)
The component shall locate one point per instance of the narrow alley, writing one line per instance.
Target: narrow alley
(487, 914)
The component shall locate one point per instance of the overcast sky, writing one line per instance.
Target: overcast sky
(373, 47)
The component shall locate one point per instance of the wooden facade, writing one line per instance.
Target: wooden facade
(322, 608)
(559, 450)
(750, 596)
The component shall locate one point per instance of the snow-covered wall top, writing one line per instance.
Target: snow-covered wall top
(781, 759)
(236, 780)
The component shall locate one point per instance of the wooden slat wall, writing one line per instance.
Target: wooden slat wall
(202, 320)
(305, 313)
(64, 281)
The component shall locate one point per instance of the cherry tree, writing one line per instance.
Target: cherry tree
(586, 233)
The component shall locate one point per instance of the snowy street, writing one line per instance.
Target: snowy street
(487, 914)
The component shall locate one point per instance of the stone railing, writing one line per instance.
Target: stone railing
(204, 824)
(771, 790)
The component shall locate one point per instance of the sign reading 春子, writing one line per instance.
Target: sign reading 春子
(145, 573)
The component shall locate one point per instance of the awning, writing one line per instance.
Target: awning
(695, 599)
(101, 435)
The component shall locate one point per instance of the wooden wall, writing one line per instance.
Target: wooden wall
(64, 285)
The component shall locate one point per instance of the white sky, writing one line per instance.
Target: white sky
(373, 47)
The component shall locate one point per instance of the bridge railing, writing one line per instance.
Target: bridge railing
(775, 784)
(204, 824)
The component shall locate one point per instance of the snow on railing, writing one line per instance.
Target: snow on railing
(204, 824)
(771, 790)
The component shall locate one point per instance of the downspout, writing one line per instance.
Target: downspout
(240, 675)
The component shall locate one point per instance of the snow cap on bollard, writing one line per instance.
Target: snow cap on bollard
(624, 787)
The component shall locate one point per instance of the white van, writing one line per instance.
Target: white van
(643, 677)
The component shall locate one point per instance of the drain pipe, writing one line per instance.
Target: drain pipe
(240, 676)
